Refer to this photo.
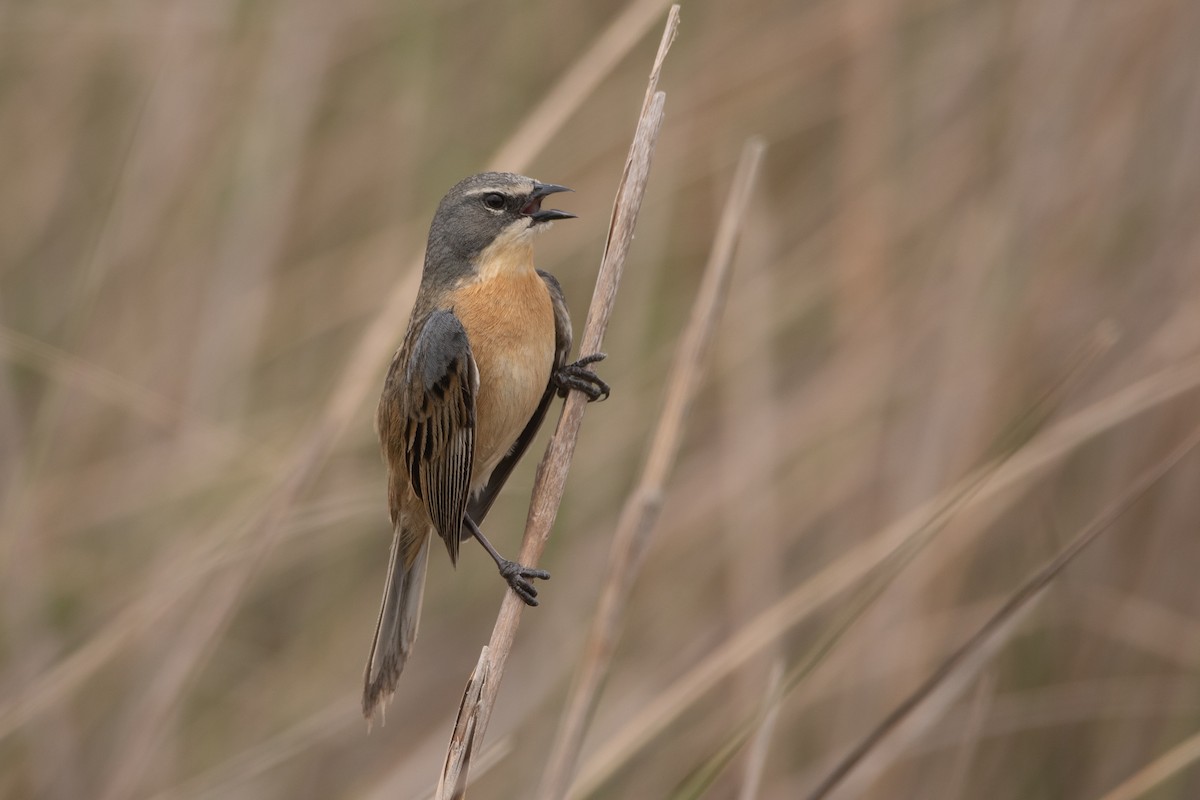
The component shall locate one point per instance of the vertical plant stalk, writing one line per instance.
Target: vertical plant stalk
(1009, 481)
(760, 745)
(641, 509)
(179, 577)
(550, 480)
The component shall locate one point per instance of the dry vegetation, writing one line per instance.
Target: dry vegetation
(210, 217)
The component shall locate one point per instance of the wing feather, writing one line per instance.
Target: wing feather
(438, 404)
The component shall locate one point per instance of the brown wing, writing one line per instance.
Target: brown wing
(482, 502)
(429, 425)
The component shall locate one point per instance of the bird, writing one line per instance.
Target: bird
(482, 360)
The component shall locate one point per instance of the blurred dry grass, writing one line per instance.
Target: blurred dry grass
(207, 206)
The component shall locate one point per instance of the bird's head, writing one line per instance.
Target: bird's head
(494, 210)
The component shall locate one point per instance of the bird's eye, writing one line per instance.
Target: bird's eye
(494, 201)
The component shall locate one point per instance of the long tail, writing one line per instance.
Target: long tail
(397, 627)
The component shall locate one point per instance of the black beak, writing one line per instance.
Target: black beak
(533, 208)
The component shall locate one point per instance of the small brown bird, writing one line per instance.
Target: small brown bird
(466, 392)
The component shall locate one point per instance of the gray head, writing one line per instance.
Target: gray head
(482, 209)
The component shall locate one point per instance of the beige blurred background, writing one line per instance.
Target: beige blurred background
(211, 214)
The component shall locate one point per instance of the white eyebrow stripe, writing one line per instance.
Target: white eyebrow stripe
(504, 190)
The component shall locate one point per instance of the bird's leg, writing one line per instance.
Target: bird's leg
(515, 574)
(579, 376)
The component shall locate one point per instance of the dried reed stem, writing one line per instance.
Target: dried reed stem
(760, 745)
(263, 526)
(564, 99)
(484, 683)
(641, 510)
(1025, 593)
(1178, 758)
(1049, 447)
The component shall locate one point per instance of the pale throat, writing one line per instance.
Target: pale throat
(510, 254)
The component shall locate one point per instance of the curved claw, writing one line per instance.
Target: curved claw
(517, 574)
(525, 591)
(579, 376)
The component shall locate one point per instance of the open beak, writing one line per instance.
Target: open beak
(533, 208)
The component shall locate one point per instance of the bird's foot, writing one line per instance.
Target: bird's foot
(518, 576)
(579, 376)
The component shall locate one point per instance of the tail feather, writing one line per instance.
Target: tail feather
(396, 630)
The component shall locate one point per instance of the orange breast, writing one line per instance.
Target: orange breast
(510, 324)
